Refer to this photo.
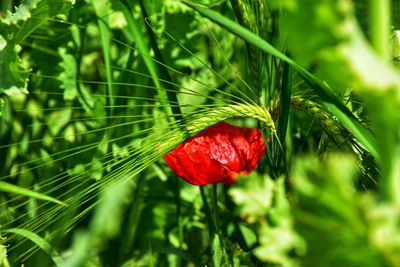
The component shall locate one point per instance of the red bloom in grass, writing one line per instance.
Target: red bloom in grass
(217, 154)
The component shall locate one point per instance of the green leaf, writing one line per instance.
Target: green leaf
(68, 75)
(216, 251)
(249, 236)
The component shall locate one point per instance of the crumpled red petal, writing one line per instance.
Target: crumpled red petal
(217, 154)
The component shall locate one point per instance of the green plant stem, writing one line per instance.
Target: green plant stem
(380, 23)
(216, 222)
(283, 121)
(212, 216)
(389, 149)
(169, 91)
(207, 212)
(387, 132)
(214, 200)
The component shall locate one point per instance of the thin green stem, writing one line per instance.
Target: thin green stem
(142, 47)
(214, 203)
(387, 132)
(212, 216)
(207, 212)
(102, 21)
(217, 224)
(388, 143)
(380, 23)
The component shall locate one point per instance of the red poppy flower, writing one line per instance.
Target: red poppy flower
(217, 154)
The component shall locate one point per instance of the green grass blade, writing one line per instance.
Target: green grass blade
(13, 189)
(102, 13)
(283, 121)
(39, 241)
(134, 215)
(166, 78)
(331, 101)
(143, 49)
(380, 27)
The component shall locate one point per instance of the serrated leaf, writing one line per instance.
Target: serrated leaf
(14, 77)
(15, 27)
(276, 244)
(263, 203)
(22, 13)
(68, 75)
(253, 198)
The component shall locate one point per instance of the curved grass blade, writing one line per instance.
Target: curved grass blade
(330, 100)
(13, 189)
(39, 241)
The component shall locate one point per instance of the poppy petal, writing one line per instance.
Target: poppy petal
(217, 154)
